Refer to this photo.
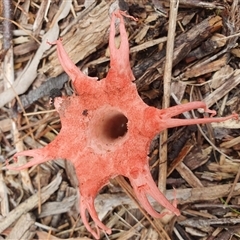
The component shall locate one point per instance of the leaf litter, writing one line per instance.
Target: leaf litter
(216, 176)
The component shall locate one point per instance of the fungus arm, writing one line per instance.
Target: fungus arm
(166, 114)
(78, 77)
(119, 57)
(144, 185)
(87, 205)
(67, 64)
(176, 110)
(160, 119)
(38, 158)
(169, 123)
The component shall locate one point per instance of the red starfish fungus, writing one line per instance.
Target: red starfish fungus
(107, 129)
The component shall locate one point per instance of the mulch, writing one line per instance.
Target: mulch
(202, 160)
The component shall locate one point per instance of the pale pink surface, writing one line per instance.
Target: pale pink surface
(94, 135)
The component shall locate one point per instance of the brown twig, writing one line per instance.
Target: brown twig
(166, 90)
(7, 25)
